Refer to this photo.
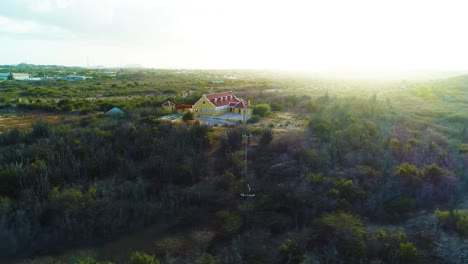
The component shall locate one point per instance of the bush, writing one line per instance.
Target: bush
(433, 173)
(407, 251)
(266, 138)
(261, 109)
(253, 119)
(409, 173)
(142, 258)
(187, 116)
(206, 259)
(347, 231)
(40, 128)
(228, 222)
(398, 205)
(453, 221)
(276, 107)
(292, 252)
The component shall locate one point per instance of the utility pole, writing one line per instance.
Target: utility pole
(246, 149)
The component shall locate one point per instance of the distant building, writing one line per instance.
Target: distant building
(110, 73)
(35, 79)
(20, 76)
(75, 78)
(183, 108)
(4, 76)
(114, 112)
(169, 105)
(220, 103)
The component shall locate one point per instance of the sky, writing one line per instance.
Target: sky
(237, 34)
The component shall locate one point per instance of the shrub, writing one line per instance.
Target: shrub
(228, 222)
(398, 205)
(347, 230)
(292, 252)
(276, 107)
(433, 173)
(261, 109)
(142, 258)
(187, 116)
(40, 129)
(171, 245)
(407, 251)
(253, 119)
(409, 174)
(267, 137)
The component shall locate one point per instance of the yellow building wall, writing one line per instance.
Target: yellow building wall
(204, 107)
(208, 109)
(247, 111)
(169, 107)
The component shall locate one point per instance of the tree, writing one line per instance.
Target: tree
(409, 172)
(253, 119)
(261, 109)
(187, 116)
(266, 137)
(346, 230)
(433, 173)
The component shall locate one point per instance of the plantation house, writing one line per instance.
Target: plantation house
(220, 103)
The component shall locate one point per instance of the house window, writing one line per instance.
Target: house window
(201, 110)
(207, 110)
(203, 102)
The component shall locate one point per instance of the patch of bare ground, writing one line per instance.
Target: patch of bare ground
(283, 122)
(25, 120)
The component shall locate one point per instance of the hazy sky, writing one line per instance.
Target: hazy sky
(287, 34)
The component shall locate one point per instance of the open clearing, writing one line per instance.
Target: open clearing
(26, 119)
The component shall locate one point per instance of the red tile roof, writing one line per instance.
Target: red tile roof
(241, 105)
(168, 103)
(183, 106)
(222, 99)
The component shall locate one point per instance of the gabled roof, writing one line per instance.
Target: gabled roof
(222, 99)
(241, 105)
(168, 103)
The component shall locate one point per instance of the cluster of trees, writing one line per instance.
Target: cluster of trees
(318, 192)
(97, 178)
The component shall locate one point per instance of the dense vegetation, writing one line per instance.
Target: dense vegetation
(359, 172)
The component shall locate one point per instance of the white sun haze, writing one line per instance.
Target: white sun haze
(294, 34)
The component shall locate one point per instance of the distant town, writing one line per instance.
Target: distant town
(30, 73)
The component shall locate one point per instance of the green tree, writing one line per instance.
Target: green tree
(347, 230)
(408, 252)
(409, 172)
(267, 137)
(261, 109)
(433, 173)
(187, 116)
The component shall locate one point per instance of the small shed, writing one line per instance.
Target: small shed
(114, 112)
(169, 105)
